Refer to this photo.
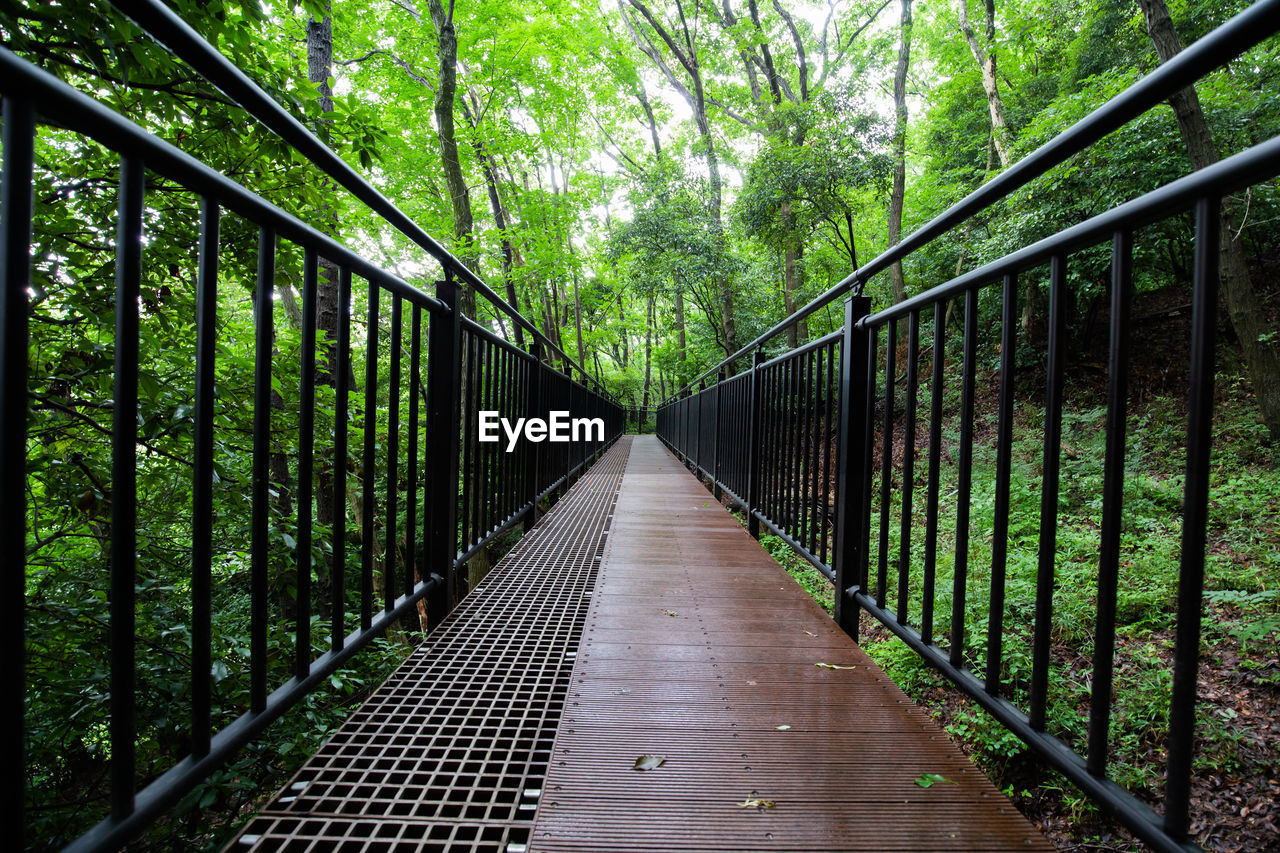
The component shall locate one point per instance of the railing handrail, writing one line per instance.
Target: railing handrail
(164, 25)
(1225, 176)
(91, 118)
(1225, 43)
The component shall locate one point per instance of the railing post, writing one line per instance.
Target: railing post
(697, 402)
(849, 457)
(753, 445)
(568, 449)
(533, 449)
(19, 129)
(443, 397)
(715, 443)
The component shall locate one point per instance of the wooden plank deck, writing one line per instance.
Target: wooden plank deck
(699, 649)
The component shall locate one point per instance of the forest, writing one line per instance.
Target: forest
(653, 184)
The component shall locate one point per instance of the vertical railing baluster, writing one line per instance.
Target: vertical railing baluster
(260, 559)
(716, 473)
(886, 459)
(934, 474)
(1195, 519)
(775, 497)
(444, 340)
(17, 128)
(1004, 451)
(368, 474)
(767, 457)
(830, 395)
(790, 445)
(776, 401)
(814, 398)
(869, 363)
(532, 400)
(341, 418)
(499, 449)
(124, 484)
(393, 455)
(510, 461)
(1104, 634)
(908, 466)
(411, 499)
(801, 525)
(964, 478)
(753, 440)
(306, 456)
(202, 480)
(479, 472)
(490, 485)
(470, 435)
(1048, 499)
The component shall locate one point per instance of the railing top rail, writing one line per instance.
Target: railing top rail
(164, 25)
(1226, 176)
(817, 343)
(1244, 31)
(82, 114)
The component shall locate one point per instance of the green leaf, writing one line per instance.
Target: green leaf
(928, 780)
(649, 762)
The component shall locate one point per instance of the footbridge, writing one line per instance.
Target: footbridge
(637, 673)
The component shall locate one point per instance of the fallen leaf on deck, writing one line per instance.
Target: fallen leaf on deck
(782, 728)
(650, 762)
(833, 666)
(671, 613)
(928, 780)
(756, 804)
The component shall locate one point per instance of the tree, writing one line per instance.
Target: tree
(896, 282)
(1257, 339)
(685, 51)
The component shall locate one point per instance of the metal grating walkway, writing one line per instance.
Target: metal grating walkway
(701, 650)
(451, 752)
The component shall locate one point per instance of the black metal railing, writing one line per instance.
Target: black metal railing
(772, 450)
(426, 369)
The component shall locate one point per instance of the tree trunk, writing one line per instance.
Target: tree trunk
(696, 97)
(577, 315)
(681, 340)
(319, 67)
(897, 283)
(648, 351)
(625, 337)
(499, 216)
(1244, 308)
(459, 195)
(985, 56)
(643, 97)
(797, 333)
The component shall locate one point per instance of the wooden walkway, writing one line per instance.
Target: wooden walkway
(653, 626)
(701, 651)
